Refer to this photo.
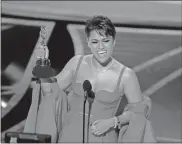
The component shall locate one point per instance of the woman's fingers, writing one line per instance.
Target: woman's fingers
(96, 132)
(95, 122)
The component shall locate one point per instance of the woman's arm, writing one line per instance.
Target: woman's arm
(131, 88)
(64, 78)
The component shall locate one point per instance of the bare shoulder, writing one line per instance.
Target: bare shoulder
(75, 59)
(128, 74)
(73, 62)
(64, 78)
(70, 65)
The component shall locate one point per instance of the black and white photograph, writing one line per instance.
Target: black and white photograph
(91, 71)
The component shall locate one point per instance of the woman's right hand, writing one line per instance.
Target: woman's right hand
(46, 89)
(46, 85)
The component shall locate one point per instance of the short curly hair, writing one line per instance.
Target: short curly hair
(101, 24)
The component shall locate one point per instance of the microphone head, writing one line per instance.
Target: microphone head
(87, 85)
(91, 94)
(91, 97)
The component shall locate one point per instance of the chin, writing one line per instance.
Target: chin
(103, 60)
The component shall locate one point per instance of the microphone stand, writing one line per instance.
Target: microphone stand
(85, 98)
(88, 124)
(91, 97)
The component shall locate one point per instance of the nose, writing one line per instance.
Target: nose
(101, 45)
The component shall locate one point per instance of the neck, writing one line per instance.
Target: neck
(101, 66)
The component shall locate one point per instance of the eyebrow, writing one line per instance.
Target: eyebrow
(102, 39)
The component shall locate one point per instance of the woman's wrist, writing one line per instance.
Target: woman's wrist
(125, 117)
(118, 120)
(112, 122)
(46, 86)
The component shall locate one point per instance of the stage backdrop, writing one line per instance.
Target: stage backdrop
(153, 50)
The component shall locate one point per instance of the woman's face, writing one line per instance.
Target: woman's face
(101, 46)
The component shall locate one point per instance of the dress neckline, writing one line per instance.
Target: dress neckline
(104, 69)
(116, 92)
(90, 60)
(118, 82)
(98, 91)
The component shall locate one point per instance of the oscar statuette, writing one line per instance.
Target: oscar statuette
(43, 67)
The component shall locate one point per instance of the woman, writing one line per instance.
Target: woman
(110, 80)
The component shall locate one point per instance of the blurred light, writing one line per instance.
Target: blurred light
(3, 104)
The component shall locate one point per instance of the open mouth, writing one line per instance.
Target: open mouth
(102, 53)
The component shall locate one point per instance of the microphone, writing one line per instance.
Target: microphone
(91, 97)
(87, 87)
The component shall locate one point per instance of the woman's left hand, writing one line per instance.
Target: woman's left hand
(99, 127)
